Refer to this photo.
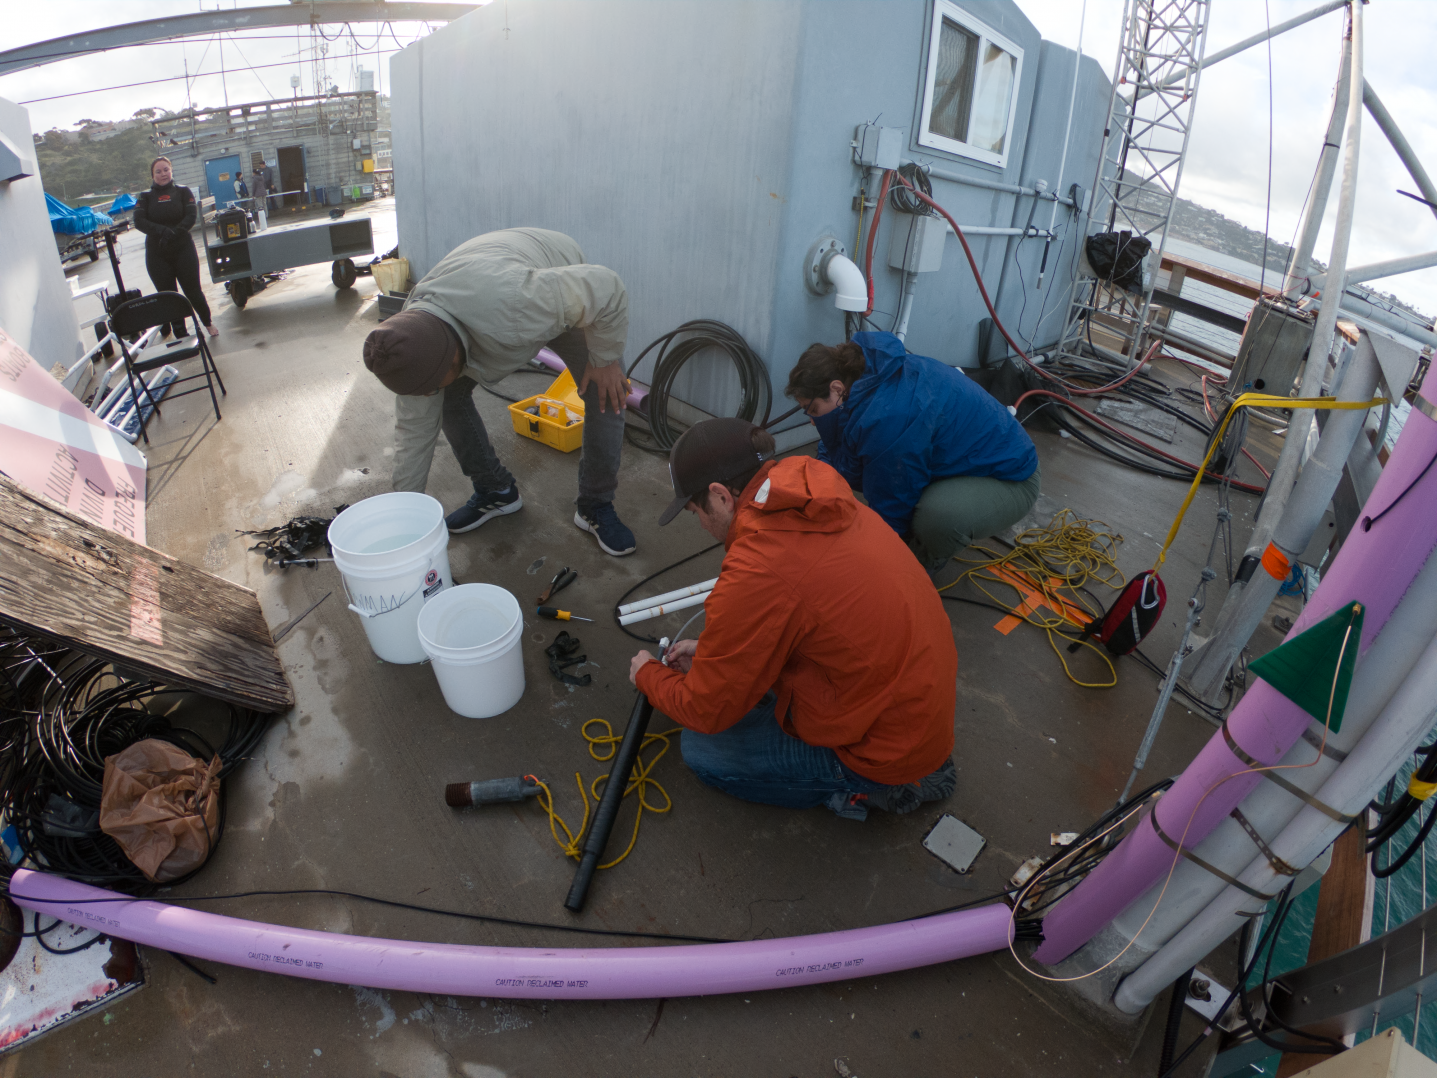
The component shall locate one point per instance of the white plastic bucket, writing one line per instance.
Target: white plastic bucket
(471, 634)
(392, 551)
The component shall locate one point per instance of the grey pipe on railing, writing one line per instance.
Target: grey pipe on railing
(990, 185)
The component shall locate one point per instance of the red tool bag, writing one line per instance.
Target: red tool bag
(1131, 617)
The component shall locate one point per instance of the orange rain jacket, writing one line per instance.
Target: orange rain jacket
(820, 600)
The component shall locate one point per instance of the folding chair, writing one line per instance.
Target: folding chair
(158, 309)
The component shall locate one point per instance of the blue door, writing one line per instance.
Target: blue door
(220, 175)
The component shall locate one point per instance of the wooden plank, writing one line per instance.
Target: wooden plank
(1228, 282)
(133, 605)
(1342, 914)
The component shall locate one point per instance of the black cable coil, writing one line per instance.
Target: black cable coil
(754, 383)
(62, 713)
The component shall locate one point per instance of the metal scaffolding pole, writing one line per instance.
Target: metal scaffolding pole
(1150, 113)
(1243, 607)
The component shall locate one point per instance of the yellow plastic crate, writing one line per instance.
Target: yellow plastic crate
(550, 421)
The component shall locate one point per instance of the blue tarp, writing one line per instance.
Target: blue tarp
(72, 221)
(121, 204)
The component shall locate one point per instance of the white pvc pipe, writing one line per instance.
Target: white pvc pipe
(677, 593)
(841, 272)
(1390, 741)
(906, 307)
(667, 608)
(1068, 127)
(1269, 808)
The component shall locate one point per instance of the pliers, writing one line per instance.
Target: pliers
(562, 580)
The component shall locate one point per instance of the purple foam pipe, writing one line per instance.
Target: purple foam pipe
(638, 396)
(520, 972)
(1374, 567)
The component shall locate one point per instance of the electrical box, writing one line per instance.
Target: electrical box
(917, 246)
(1273, 349)
(878, 147)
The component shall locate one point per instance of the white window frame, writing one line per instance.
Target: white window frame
(944, 9)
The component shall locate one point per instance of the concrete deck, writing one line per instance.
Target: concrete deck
(346, 792)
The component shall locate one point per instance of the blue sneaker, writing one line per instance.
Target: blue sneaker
(482, 507)
(605, 526)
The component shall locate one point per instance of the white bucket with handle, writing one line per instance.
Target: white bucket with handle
(392, 551)
(471, 634)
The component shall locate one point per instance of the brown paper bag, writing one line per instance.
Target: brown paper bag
(162, 806)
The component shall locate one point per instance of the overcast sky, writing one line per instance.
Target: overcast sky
(1226, 166)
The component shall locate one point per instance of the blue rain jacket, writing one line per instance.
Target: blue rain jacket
(910, 420)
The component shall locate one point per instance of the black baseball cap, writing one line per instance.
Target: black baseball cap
(712, 451)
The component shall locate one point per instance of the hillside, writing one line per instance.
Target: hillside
(71, 167)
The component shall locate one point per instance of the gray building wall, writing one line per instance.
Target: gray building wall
(35, 305)
(699, 149)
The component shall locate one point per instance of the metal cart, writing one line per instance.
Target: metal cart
(240, 257)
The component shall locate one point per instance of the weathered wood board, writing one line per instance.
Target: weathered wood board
(113, 598)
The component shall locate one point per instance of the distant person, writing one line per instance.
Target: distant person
(241, 191)
(271, 201)
(165, 214)
(480, 315)
(261, 188)
(933, 453)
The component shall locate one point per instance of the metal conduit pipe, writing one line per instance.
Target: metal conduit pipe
(989, 185)
(1302, 513)
(1399, 143)
(1374, 271)
(1376, 567)
(1204, 670)
(1258, 39)
(1299, 265)
(1404, 722)
(1362, 309)
(1271, 807)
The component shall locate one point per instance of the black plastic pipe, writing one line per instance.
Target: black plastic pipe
(608, 810)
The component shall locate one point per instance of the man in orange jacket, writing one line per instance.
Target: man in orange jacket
(826, 671)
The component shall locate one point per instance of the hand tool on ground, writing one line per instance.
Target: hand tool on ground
(560, 615)
(310, 563)
(608, 810)
(283, 631)
(562, 579)
(490, 791)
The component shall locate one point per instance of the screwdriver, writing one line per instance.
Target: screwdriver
(560, 615)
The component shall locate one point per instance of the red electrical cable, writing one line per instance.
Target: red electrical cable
(987, 302)
(1128, 437)
(872, 233)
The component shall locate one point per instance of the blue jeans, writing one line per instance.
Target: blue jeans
(755, 760)
(603, 434)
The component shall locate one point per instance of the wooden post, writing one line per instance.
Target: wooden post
(1342, 918)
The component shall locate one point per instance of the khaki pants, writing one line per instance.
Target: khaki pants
(952, 512)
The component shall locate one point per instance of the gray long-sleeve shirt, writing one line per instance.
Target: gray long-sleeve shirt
(507, 294)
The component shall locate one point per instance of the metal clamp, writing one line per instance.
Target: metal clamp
(1272, 776)
(1231, 881)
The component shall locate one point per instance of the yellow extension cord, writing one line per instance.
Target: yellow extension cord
(1068, 553)
(1253, 400)
(640, 780)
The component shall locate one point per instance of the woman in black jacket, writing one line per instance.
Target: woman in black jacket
(165, 214)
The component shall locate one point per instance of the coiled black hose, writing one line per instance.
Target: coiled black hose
(680, 345)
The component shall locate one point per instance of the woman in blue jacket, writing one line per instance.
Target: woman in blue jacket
(934, 454)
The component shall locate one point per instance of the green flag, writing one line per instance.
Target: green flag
(1315, 666)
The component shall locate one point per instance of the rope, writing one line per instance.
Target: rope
(640, 780)
(1067, 554)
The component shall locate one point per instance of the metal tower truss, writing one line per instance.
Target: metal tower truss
(1145, 142)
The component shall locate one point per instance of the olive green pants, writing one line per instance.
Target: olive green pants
(952, 512)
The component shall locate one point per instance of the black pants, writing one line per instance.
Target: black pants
(181, 266)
